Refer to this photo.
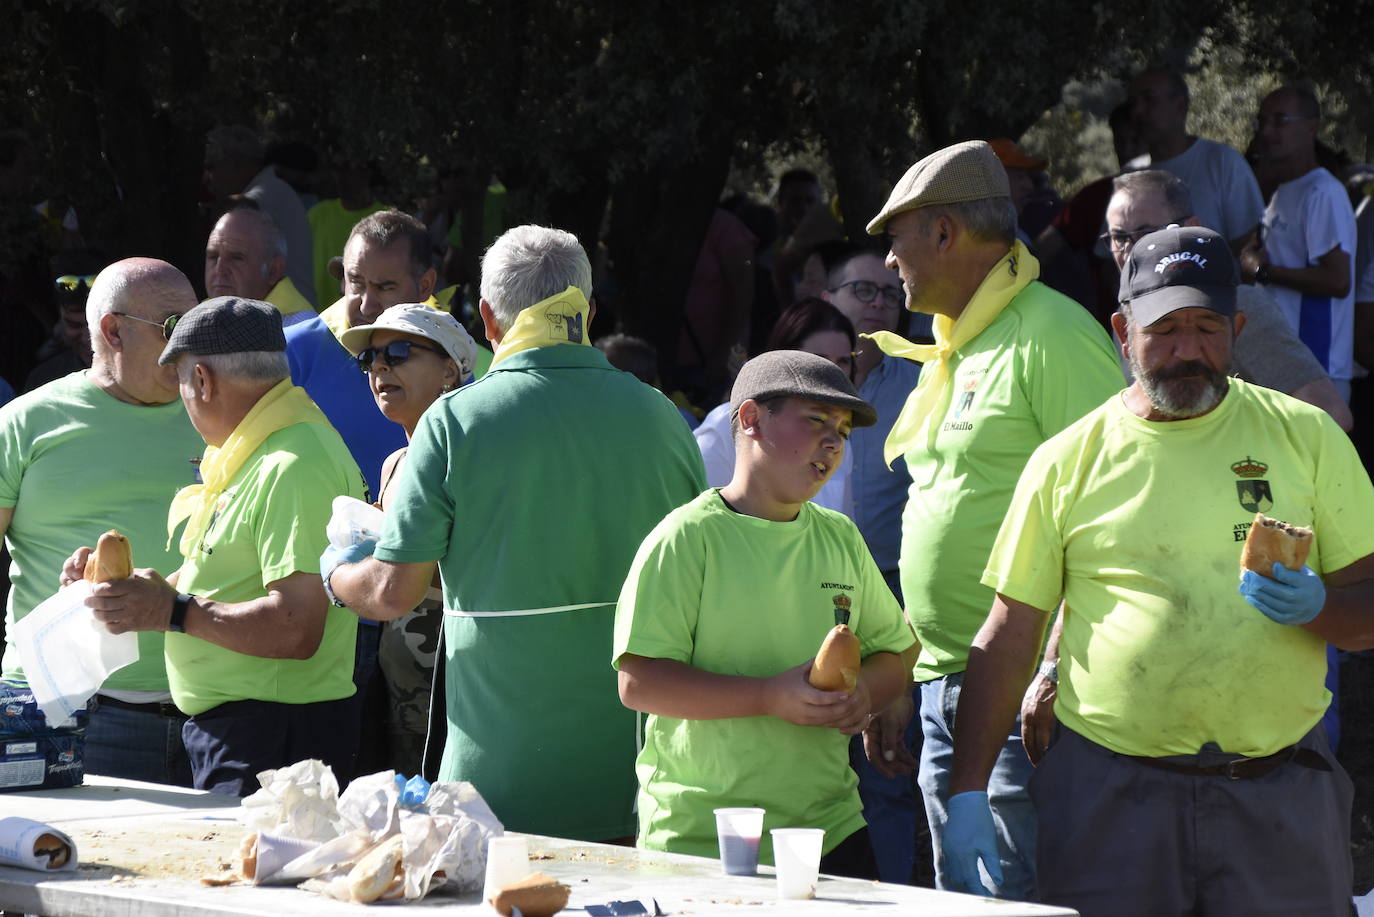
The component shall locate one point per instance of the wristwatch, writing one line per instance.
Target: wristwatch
(1050, 669)
(329, 590)
(1262, 274)
(180, 604)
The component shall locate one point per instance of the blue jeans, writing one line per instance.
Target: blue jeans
(136, 745)
(889, 807)
(1012, 811)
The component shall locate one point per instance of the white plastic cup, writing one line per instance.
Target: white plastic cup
(508, 860)
(797, 855)
(738, 831)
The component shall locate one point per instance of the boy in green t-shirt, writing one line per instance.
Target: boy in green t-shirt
(720, 618)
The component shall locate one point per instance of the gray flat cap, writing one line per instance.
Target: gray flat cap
(225, 324)
(968, 171)
(798, 374)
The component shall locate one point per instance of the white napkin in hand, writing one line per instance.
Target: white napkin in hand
(67, 653)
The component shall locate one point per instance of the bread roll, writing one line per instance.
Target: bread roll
(537, 895)
(112, 559)
(837, 663)
(248, 855)
(54, 848)
(378, 872)
(1271, 540)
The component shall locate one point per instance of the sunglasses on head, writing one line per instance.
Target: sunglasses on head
(72, 282)
(393, 354)
(168, 324)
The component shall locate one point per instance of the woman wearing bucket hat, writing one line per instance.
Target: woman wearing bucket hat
(412, 355)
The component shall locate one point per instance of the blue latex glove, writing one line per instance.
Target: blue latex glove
(1292, 597)
(333, 556)
(970, 837)
(412, 792)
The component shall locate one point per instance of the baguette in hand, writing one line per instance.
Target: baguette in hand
(1271, 540)
(837, 664)
(112, 559)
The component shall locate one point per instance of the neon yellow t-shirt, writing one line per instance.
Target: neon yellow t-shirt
(1139, 525)
(1043, 363)
(269, 523)
(330, 225)
(739, 595)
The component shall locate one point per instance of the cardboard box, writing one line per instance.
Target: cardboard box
(34, 755)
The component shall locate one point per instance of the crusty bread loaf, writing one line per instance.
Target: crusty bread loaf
(1270, 540)
(378, 873)
(837, 663)
(537, 895)
(112, 559)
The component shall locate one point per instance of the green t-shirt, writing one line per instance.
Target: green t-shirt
(330, 225)
(740, 595)
(1043, 363)
(269, 523)
(74, 463)
(1139, 525)
(533, 487)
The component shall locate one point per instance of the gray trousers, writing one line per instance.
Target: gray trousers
(1119, 838)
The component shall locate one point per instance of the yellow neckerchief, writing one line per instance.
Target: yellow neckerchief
(283, 406)
(336, 316)
(560, 319)
(287, 299)
(1007, 278)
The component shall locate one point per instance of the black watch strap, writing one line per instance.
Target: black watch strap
(180, 604)
(1262, 274)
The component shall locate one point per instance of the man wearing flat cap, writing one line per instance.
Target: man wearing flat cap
(255, 654)
(1013, 363)
(1189, 773)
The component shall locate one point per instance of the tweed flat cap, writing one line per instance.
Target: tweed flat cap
(798, 374)
(968, 171)
(225, 324)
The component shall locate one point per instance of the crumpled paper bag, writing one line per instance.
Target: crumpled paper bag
(446, 834)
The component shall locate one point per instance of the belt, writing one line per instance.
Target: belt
(165, 709)
(1240, 768)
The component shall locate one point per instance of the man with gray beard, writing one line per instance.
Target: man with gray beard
(1189, 772)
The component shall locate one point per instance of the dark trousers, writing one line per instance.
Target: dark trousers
(228, 745)
(1119, 838)
(853, 857)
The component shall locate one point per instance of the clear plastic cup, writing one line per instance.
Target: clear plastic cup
(797, 855)
(508, 860)
(738, 831)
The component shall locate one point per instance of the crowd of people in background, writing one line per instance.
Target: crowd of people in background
(990, 398)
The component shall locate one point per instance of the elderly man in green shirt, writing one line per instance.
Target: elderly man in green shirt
(1013, 363)
(255, 655)
(531, 489)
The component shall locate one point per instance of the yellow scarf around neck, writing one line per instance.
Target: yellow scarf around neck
(560, 319)
(1007, 278)
(283, 405)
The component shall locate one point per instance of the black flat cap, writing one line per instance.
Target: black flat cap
(225, 324)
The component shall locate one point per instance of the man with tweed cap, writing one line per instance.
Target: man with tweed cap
(1012, 364)
(255, 654)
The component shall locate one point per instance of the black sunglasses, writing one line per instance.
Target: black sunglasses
(168, 324)
(393, 354)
